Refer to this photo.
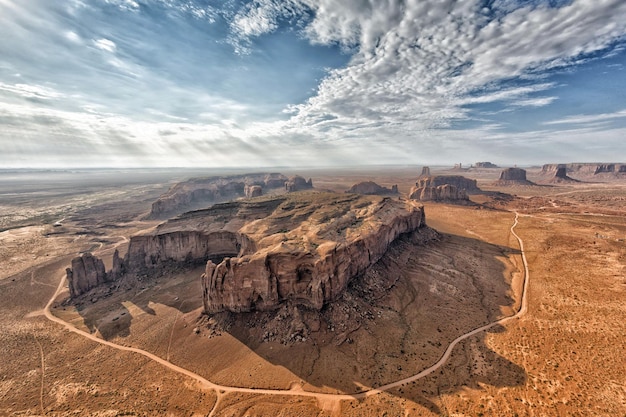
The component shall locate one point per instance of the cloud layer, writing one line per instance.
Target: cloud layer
(268, 82)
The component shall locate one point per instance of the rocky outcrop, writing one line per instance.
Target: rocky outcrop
(485, 165)
(425, 172)
(297, 183)
(298, 249)
(312, 268)
(513, 176)
(197, 192)
(253, 191)
(445, 192)
(371, 188)
(460, 182)
(449, 188)
(87, 272)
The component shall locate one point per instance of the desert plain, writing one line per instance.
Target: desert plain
(554, 310)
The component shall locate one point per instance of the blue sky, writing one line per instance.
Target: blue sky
(111, 83)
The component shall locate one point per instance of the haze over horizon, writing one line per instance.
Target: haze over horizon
(201, 83)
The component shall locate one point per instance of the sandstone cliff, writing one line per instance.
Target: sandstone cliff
(449, 188)
(309, 262)
(300, 248)
(371, 188)
(87, 272)
(252, 191)
(197, 192)
(459, 181)
(445, 192)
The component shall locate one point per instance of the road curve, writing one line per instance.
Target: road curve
(221, 389)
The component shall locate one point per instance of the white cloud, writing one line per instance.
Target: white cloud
(105, 45)
(419, 62)
(588, 118)
(31, 91)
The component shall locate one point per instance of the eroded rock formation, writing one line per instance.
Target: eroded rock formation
(425, 172)
(586, 171)
(87, 272)
(297, 183)
(196, 192)
(445, 192)
(513, 176)
(309, 263)
(485, 165)
(443, 188)
(371, 188)
(253, 191)
(301, 248)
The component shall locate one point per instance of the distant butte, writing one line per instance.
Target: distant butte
(449, 188)
(371, 188)
(513, 176)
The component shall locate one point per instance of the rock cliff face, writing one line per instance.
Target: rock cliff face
(87, 272)
(371, 188)
(445, 192)
(297, 183)
(301, 248)
(561, 177)
(443, 188)
(425, 172)
(513, 176)
(458, 181)
(253, 191)
(313, 262)
(198, 191)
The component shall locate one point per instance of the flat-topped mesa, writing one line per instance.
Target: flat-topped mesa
(591, 170)
(371, 188)
(485, 165)
(513, 176)
(443, 188)
(307, 251)
(198, 191)
(425, 172)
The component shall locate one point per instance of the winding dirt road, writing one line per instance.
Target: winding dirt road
(296, 390)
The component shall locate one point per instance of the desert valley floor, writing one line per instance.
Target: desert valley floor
(556, 311)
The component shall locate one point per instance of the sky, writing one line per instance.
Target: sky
(264, 83)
